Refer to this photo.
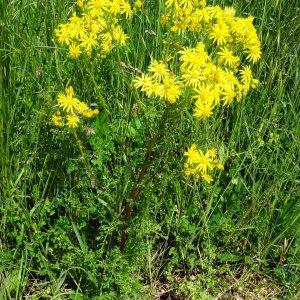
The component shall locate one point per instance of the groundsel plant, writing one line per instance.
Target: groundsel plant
(97, 27)
(71, 110)
(210, 66)
(216, 70)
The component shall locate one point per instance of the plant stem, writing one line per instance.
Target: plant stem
(138, 188)
(90, 174)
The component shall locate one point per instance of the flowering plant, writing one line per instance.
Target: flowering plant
(207, 62)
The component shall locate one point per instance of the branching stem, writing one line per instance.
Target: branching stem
(138, 187)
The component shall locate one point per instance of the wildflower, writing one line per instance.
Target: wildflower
(107, 42)
(88, 113)
(119, 35)
(227, 57)
(125, 8)
(82, 107)
(67, 103)
(99, 18)
(63, 34)
(159, 69)
(255, 83)
(228, 95)
(194, 57)
(192, 153)
(154, 88)
(228, 11)
(80, 3)
(88, 42)
(206, 177)
(212, 153)
(72, 109)
(74, 50)
(219, 166)
(199, 164)
(171, 89)
(203, 109)
(142, 81)
(138, 4)
(254, 53)
(72, 121)
(220, 33)
(114, 7)
(70, 91)
(207, 93)
(57, 120)
(246, 74)
(193, 77)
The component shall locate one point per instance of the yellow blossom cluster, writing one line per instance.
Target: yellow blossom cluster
(160, 82)
(220, 25)
(221, 75)
(72, 109)
(214, 78)
(199, 164)
(97, 27)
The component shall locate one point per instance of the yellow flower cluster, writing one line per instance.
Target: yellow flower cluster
(160, 82)
(220, 25)
(97, 27)
(215, 77)
(199, 164)
(72, 110)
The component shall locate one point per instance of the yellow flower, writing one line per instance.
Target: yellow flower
(206, 177)
(194, 57)
(159, 69)
(171, 89)
(125, 8)
(219, 166)
(74, 50)
(119, 35)
(88, 42)
(80, 3)
(193, 77)
(199, 164)
(228, 95)
(69, 91)
(227, 57)
(203, 109)
(254, 53)
(63, 34)
(67, 102)
(212, 153)
(246, 74)
(142, 82)
(207, 93)
(107, 44)
(82, 107)
(88, 113)
(192, 154)
(114, 7)
(72, 121)
(220, 33)
(138, 4)
(57, 120)
(154, 88)
(95, 112)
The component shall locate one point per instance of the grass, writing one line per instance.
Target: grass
(59, 237)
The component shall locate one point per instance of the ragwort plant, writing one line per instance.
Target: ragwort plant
(207, 66)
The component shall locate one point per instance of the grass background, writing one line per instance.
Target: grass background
(238, 238)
